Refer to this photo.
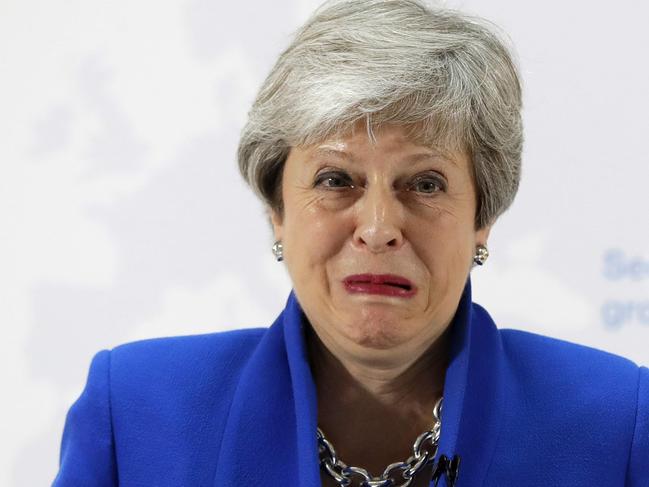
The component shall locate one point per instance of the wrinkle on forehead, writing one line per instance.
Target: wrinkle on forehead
(432, 136)
(341, 147)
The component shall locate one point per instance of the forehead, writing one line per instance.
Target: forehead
(387, 141)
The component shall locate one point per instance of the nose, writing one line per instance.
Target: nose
(380, 218)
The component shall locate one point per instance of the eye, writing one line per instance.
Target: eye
(334, 180)
(427, 184)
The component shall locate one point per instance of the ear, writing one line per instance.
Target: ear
(482, 235)
(277, 221)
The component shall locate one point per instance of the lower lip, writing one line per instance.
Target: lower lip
(382, 289)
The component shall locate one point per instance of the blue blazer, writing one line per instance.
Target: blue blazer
(239, 409)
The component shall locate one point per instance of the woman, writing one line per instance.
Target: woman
(385, 143)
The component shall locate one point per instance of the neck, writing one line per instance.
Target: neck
(362, 403)
(389, 381)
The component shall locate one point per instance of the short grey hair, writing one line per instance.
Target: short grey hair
(447, 76)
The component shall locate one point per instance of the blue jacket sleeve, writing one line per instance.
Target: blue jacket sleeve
(638, 472)
(87, 448)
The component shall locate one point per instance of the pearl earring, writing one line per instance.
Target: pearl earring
(481, 255)
(278, 250)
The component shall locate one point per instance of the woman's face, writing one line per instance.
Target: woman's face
(378, 238)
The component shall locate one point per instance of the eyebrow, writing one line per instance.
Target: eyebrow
(330, 151)
(423, 156)
(411, 159)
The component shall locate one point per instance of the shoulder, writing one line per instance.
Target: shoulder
(553, 364)
(159, 395)
(572, 396)
(555, 355)
(233, 343)
(180, 366)
(575, 378)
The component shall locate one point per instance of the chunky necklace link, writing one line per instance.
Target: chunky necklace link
(424, 451)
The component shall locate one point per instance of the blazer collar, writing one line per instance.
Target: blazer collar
(473, 392)
(269, 437)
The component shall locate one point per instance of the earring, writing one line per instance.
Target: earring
(481, 255)
(278, 250)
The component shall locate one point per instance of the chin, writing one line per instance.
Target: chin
(376, 334)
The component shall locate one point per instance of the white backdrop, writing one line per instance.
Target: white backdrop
(122, 215)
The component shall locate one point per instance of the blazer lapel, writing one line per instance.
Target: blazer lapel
(304, 395)
(474, 393)
(269, 438)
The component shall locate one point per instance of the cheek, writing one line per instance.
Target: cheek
(446, 242)
(313, 235)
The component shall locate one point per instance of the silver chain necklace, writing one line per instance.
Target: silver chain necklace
(423, 454)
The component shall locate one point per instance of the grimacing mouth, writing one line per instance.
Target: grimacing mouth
(389, 280)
